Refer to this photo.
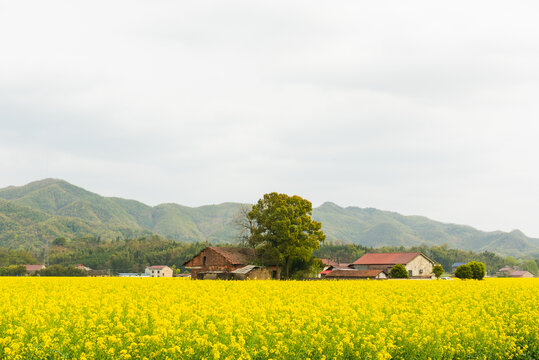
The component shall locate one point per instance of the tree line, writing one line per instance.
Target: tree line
(120, 255)
(133, 255)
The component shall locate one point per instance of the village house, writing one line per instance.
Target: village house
(220, 262)
(508, 271)
(30, 269)
(521, 274)
(98, 273)
(505, 271)
(159, 271)
(418, 265)
(330, 266)
(137, 275)
(356, 274)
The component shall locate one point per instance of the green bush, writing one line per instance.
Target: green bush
(438, 270)
(478, 270)
(60, 270)
(464, 272)
(399, 272)
(13, 270)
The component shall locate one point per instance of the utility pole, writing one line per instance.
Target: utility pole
(45, 250)
(47, 254)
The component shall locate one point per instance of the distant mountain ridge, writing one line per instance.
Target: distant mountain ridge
(49, 208)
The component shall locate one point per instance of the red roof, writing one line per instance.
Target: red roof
(506, 268)
(354, 273)
(386, 258)
(328, 262)
(34, 267)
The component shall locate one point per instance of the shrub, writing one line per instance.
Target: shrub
(399, 272)
(464, 272)
(59, 270)
(438, 270)
(13, 270)
(478, 269)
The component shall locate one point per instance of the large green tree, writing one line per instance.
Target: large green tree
(283, 230)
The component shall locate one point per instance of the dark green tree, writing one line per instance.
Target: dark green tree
(478, 270)
(59, 270)
(399, 272)
(13, 270)
(464, 272)
(59, 241)
(283, 230)
(438, 270)
(16, 257)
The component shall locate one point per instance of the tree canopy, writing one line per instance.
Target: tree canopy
(283, 231)
(478, 270)
(438, 270)
(399, 272)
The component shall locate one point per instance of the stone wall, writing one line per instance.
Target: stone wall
(420, 266)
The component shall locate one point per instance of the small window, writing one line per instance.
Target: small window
(204, 261)
(410, 273)
(421, 271)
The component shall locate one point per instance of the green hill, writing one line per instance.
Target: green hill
(372, 227)
(50, 208)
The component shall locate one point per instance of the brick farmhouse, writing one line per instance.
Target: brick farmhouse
(216, 262)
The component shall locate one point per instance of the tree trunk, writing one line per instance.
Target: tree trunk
(286, 267)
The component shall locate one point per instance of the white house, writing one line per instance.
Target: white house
(417, 264)
(159, 271)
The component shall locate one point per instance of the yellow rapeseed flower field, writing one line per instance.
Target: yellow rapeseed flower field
(148, 318)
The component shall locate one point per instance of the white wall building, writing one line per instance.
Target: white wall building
(159, 271)
(416, 263)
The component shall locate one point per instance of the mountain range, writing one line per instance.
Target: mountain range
(50, 208)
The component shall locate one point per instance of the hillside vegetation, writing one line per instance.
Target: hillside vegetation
(46, 209)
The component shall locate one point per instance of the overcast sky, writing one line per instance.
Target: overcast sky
(412, 106)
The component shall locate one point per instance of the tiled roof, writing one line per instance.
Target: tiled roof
(506, 268)
(245, 270)
(386, 258)
(236, 255)
(328, 262)
(519, 273)
(34, 267)
(353, 273)
(157, 267)
(338, 266)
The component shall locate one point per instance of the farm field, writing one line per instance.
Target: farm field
(148, 318)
